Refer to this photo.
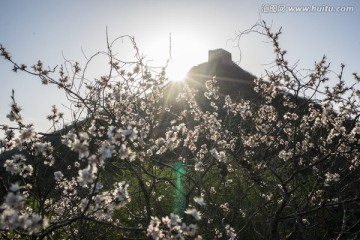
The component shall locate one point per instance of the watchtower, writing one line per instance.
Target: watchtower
(220, 55)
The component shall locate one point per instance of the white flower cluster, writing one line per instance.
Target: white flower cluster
(242, 107)
(104, 204)
(14, 215)
(173, 227)
(17, 166)
(220, 156)
(331, 177)
(212, 89)
(87, 175)
(170, 228)
(77, 143)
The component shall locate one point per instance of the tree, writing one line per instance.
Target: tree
(142, 166)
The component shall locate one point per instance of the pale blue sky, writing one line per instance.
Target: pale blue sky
(49, 29)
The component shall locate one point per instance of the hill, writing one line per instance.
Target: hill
(232, 79)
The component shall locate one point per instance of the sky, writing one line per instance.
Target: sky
(55, 30)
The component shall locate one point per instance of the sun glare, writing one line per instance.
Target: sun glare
(177, 70)
(182, 50)
(186, 51)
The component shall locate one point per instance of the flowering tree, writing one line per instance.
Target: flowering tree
(144, 165)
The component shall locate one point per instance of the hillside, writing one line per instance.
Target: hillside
(231, 79)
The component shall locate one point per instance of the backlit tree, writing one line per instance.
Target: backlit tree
(137, 163)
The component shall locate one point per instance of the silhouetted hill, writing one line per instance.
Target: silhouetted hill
(231, 79)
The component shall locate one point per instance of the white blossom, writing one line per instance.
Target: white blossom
(195, 213)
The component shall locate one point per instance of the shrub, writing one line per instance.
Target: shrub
(280, 166)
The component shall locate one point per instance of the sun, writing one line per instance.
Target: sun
(181, 51)
(186, 52)
(176, 70)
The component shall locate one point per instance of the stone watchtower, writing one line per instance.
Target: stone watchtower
(220, 55)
